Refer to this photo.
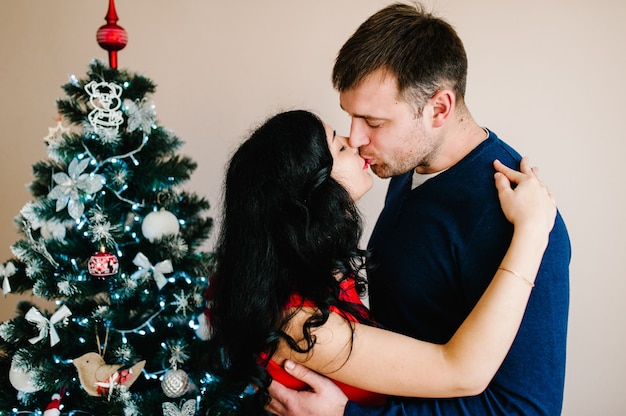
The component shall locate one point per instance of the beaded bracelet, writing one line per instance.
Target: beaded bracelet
(516, 274)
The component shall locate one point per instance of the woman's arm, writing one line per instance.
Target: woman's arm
(382, 361)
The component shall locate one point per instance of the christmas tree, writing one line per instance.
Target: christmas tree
(112, 238)
(114, 242)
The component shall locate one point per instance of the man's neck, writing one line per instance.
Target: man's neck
(460, 136)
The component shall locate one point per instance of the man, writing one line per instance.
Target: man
(441, 235)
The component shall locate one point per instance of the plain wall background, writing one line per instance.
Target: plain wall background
(548, 76)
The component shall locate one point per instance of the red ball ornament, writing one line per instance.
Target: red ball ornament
(111, 36)
(103, 264)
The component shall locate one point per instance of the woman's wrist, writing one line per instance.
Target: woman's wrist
(520, 276)
(532, 233)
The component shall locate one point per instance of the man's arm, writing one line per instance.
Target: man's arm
(326, 399)
(323, 399)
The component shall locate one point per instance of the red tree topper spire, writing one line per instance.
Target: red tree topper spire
(111, 36)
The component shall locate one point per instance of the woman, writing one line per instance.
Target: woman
(289, 265)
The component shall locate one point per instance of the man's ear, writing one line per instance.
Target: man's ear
(443, 103)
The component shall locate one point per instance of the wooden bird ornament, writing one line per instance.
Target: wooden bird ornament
(100, 379)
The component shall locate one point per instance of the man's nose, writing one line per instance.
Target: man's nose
(358, 134)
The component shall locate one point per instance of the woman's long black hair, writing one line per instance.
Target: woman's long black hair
(287, 226)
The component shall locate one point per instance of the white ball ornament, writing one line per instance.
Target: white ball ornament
(158, 224)
(20, 379)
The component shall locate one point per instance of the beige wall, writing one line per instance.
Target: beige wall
(547, 75)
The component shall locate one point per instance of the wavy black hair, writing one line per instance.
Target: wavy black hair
(286, 226)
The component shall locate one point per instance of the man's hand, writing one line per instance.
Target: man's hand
(323, 399)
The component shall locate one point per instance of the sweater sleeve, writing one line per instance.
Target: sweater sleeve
(483, 404)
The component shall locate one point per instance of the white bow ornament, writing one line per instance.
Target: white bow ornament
(46, 326)
(158, 270)
(6, 271)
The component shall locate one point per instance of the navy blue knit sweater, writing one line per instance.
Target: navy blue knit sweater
(435, 250)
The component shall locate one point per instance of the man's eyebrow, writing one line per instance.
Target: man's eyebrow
(370, 118)
(364, 116)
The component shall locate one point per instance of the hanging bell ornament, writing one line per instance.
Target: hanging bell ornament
(103, 264)
(175, 383)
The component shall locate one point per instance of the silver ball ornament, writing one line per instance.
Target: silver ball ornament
(175, 383)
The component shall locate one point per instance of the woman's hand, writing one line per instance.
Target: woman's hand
(529, 203)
